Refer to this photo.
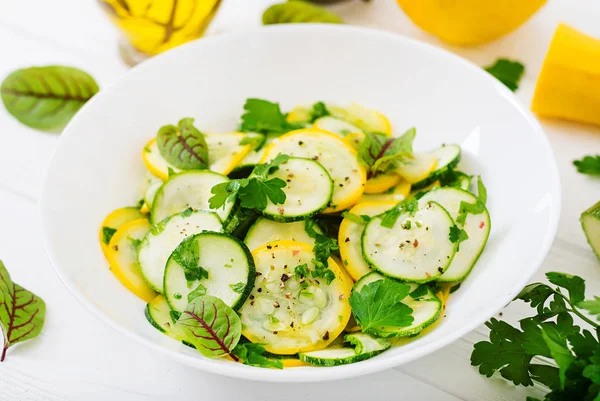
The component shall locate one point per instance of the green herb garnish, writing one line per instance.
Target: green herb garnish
(265, 117)
(183, 146)
(378, 151)
(508, 72)
(588, 165)
(473, 208)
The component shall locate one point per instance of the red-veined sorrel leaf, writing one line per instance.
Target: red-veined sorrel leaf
(211, 326)
(183, 146)
(46, 98)
(22, 312)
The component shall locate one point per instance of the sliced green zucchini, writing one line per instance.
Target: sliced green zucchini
(477, 227)
(416, 168)
(289, 309)
(164, 237)
(225, 151)
(458, 179)
(239, 221)
(302, 177)
(152, 186)
(337, 126)
(209, 264)
(425, 305)
(189, 189)
(365, 347)
(447, 158)
(264, 231)
(338, 158)
(417, 248)
(159, 314)
(590, 222)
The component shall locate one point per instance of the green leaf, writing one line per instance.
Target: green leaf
(107, 234)
(378, 304)
(536, 294)
(322, 249)
(301, 271)
(224, 192)
(508, 72)
(184, 146)
(378, 150)
(558, 349)
(211, 326)
(199, 291)
(390, 217)
(420, 291)
(362, 219)
(22, 313)
(187, 255)
(238, 287)
(478, 207)
(318, 110)
(174, 315)
(254, 140)
(254, 355)
(592, 306)
(265, 117)
(574, 284)
(588, 165)
(457, 235)
(298, 12)
(46, 98)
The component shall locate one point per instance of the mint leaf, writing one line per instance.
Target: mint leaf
(211, 326)
(378, 304)
(508, 72)
(107, 234)
(22, 313)
(187, 255)
(588, 165)
(183, 146)
(265, 117)
(254, 355)
(199, 291)
(362, 219)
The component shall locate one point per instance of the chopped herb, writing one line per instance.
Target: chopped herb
(254, 355)
(588, 165)
(473, 208)
(318, 110)
(362, 219)
(301, 271)
(187, 255)
(238, 287)
(508, 72)
(177, 295)
(107, 234)
(390, 217)
(457, 235)
(135, 243)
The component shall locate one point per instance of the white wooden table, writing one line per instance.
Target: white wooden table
(79, 358)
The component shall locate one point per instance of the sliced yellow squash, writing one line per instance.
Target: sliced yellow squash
(115, 220)
(382, 182)
(364, 118)
(300, 114)
(395, 194)
(283, 315)
(293, 363)
(355, 139)
(338, 158)
(225, 151)
(418, 168)
(569, 84)
(154, 161)
(122, 256)
(337, 126)
(349, 237)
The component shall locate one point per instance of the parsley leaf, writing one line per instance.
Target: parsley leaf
(390, 217)
(318, 110)
(508, 72)
(107, 234)
(377, 151)
(457, 235)
(265, 117)
(588, 165)
(355, 218)
(301, 271)
(378, 304)
(253, 192)
(255, 141)
(254, 355)
(573, 284)
(592, 306)
(187, 255)
(473, 208)
(322, 249)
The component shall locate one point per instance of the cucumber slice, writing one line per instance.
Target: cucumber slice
(160, 316)
(153, 186)
(417, 248)
(349, 237)
(364, 118)
(366, 347)
(426, 309)
(264, 231)
(447, 157)
(225, 151)
(164, 237)
(590, 222)
(189, 189)
(477, 227)
(302, 177)
(283, 315)
(229, 265)
(337, 126)
(338, 158)
(418, 168)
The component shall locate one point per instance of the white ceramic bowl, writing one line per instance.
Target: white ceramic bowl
(97, 166)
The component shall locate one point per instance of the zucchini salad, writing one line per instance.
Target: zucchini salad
(313, 237)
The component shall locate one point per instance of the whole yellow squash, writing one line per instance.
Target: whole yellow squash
(469, 22)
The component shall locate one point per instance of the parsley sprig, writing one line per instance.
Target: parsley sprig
(265, 117)
(255, 191)
(322, 250)
(588, 165)
(570, 364)
(378, 151)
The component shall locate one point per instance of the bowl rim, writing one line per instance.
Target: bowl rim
(310, 374)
